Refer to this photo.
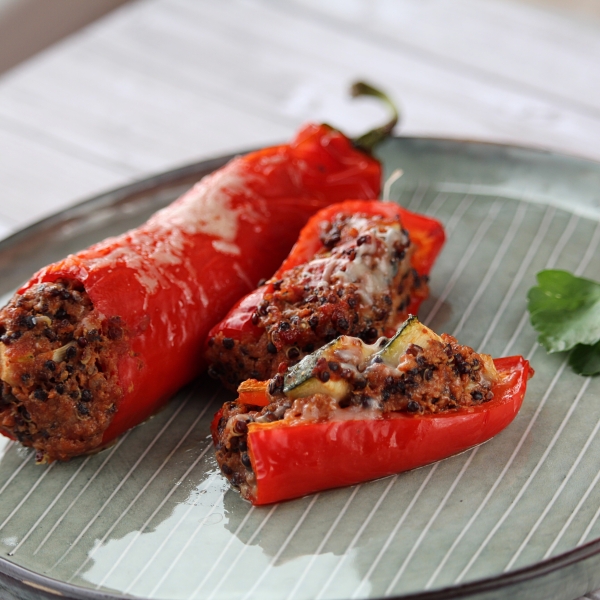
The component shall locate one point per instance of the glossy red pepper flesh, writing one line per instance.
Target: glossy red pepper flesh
(177, 275)
(292, 460)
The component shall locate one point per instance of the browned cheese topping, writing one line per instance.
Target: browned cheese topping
(58, 370)
(442, 377)
(360, 284)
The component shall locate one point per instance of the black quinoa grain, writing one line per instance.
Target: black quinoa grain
(60, 389)
(40, 394)
(293, 353)
(324, 376)
(50, 365)
(61, 314)
(413, 406)
(227, 470)
(369, 335)
(284, 326)
(50, 335)
(342, 324)
(363, 239)
(25, 377)
(360, 383)
(83, 409)
(331, 237)
(86, 395)
(334, 366)
(246, 460)
(240, 426)
(271, 348)
(70, 353)
(476, 395)
(228, 343)
(30, 322)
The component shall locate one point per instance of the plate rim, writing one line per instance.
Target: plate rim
(16, 575)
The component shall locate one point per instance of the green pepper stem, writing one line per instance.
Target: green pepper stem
(370, 139)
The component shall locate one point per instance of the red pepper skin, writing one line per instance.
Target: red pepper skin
(177, 275)
(426, 233)
(290, 461)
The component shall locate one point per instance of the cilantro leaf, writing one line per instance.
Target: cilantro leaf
(565, 311)
(585, 359)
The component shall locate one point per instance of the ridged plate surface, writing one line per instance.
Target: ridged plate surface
(151, 517)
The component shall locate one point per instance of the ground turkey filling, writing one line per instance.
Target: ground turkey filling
(58, 370)
(360, 284)
(443, 377)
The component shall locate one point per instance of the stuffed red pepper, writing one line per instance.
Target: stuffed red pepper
(359, 268)
(353, 412)
(94, 344)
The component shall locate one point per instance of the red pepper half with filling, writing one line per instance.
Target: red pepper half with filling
(351, 413)
(358, 268)
(94, 344)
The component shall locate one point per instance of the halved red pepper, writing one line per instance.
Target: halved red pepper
(169, 281)
(426, 233)
(292, 460)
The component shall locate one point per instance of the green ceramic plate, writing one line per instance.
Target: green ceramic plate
(152, 518)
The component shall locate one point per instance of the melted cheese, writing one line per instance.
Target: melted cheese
(373, 267)
(152, 250)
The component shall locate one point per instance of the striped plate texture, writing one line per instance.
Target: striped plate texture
(151, 517)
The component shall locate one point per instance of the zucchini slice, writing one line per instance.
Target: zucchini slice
(300, 382)
(412, 331)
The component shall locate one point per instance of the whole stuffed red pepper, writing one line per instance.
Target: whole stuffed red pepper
(359, 268)
(352, 412)
(93, 344)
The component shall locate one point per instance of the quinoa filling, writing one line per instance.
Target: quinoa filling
(360, 283)
(444, 376)
(58, 370)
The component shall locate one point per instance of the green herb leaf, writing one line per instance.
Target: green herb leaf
(565, 311)
(585, 359)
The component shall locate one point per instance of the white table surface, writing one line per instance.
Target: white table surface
(161, 83)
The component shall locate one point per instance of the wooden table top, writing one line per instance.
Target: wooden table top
(160, 83)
